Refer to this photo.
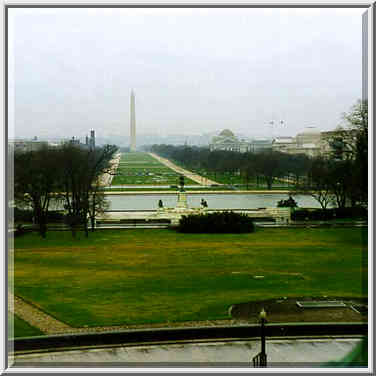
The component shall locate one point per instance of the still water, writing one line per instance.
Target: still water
(215, 201)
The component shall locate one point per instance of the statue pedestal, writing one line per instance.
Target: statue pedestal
(182, 201)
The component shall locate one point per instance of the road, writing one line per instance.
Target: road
(191, 175)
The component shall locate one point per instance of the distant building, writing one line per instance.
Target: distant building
(310, 141)
(284, 144)
(226, 140)
(89, 141)
(313, 143)
(92, 139)
(74, 141)
(258, 145)
(307, 142)
(26, 145)
(309, 136)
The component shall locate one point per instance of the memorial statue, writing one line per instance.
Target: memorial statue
(181, 183)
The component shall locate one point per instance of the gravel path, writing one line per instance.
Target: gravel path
(35, 317)
(106, 178)
(197, 178)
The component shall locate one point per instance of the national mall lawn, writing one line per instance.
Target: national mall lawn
(120, 277)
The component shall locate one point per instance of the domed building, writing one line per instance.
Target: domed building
(226, 140)
(307, 142)
(309, 135)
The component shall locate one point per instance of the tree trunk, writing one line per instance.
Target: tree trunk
(85, 223)
(92, 220)
(269, 182)
(43, 230)
(40, 220)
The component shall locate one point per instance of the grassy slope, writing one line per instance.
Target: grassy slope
(141, 276)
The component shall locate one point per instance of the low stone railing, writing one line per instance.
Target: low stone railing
(281, 215)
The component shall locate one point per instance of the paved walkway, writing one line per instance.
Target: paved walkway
(280, 353)
(106, 178)
(197, 178)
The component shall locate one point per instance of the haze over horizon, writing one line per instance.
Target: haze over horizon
(194, 71)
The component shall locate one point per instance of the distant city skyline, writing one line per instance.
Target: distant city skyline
(195, 71)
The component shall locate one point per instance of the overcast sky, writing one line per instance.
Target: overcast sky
(193, 70)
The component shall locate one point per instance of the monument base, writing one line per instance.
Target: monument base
(182, 201)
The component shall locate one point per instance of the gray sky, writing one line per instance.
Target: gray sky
(192, 70)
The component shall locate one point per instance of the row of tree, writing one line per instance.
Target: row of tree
(267, 165)
(69, 175)
(339, 178)
(342, 178)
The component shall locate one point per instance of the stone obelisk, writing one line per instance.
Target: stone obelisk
(133, 123)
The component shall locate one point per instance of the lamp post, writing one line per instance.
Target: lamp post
(181, 183)
(260, 360)
(263, 353)
(273, 124)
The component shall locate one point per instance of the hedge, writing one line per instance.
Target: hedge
(217, 222)
(327, 214)
(22, 215)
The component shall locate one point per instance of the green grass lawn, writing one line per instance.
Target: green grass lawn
(141, 168)
(20, 328)
(240, 181)
(148, 276)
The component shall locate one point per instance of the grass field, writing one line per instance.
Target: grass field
(21, 328)
(240, 182)
(140, 168)
(148, 276)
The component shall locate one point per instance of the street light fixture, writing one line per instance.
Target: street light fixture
(274, 124)
(260, 360)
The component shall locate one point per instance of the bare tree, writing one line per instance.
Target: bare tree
(35, 183)
(318, 182)
(80, 172)
(268, 165)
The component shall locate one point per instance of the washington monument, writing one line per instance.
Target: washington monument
(133, 123)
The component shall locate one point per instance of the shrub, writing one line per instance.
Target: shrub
(22, 215)
(300, 215)
(322, 214)
(55, 216)
(289, 203)
(217, 222)
(353, 212)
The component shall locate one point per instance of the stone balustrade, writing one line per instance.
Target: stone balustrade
(280, 215)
